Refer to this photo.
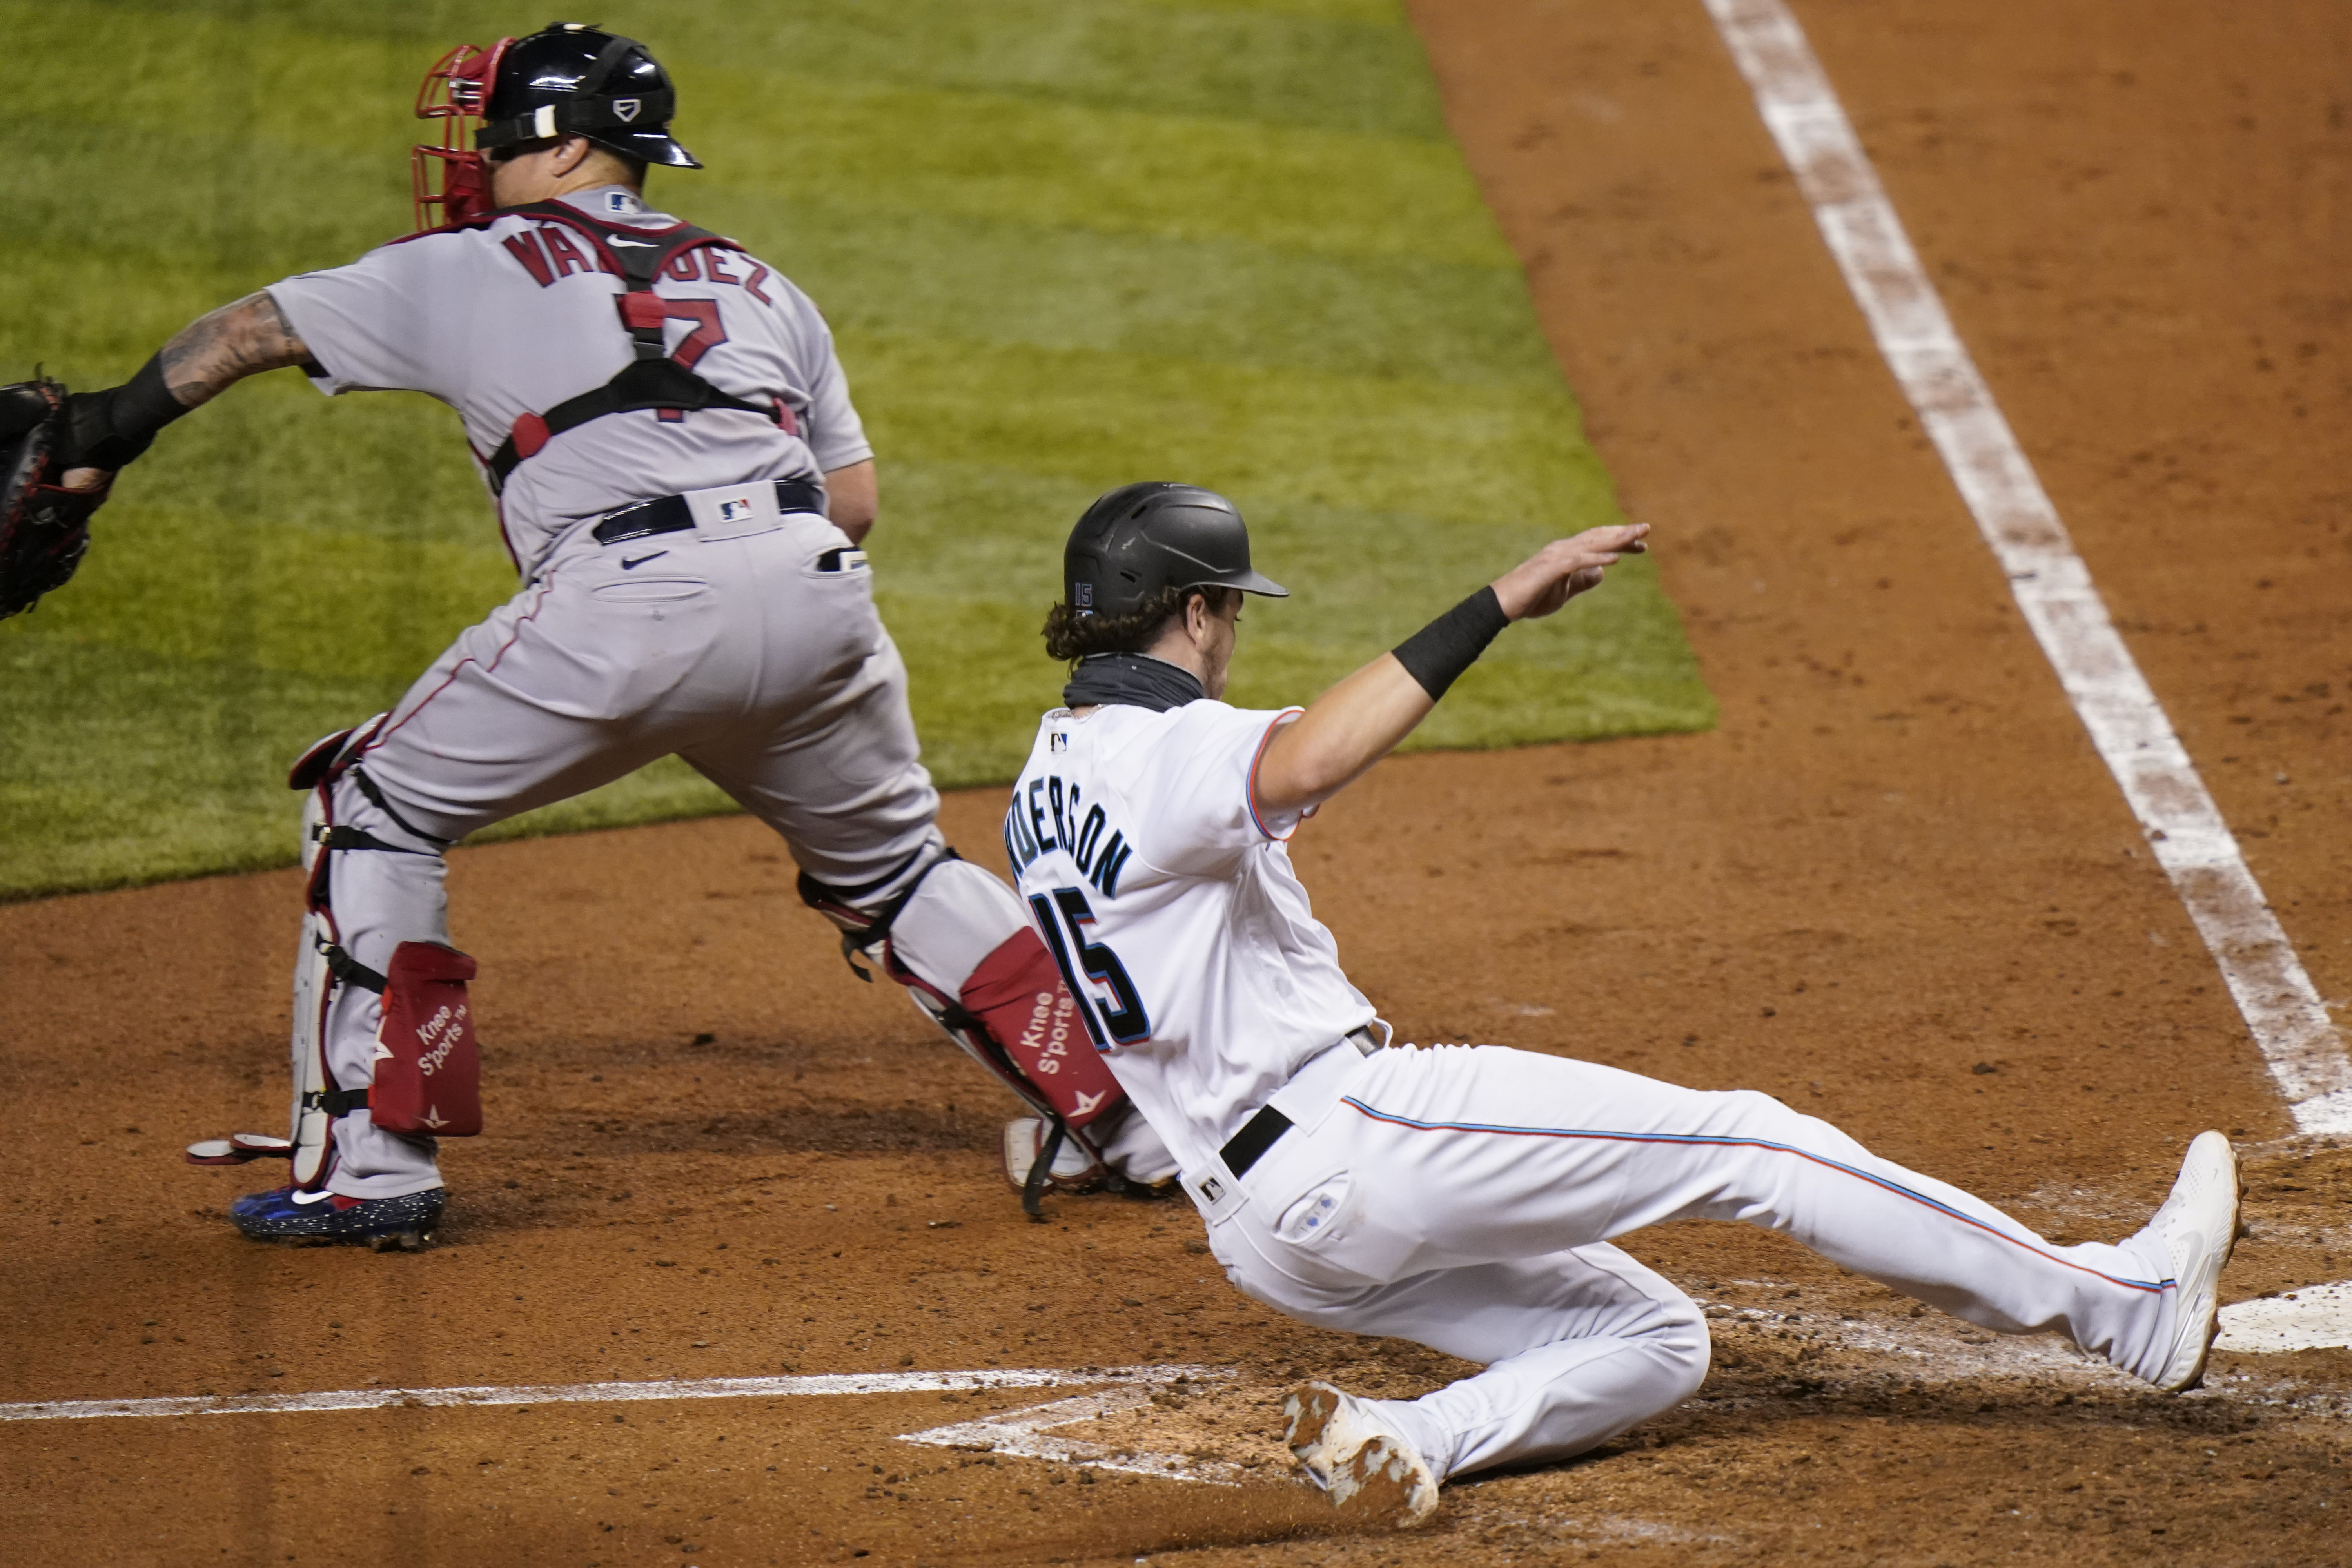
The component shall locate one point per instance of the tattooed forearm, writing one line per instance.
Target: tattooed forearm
(236, 341)
(110, 428)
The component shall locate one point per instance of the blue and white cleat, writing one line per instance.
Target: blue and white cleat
(405, 1223)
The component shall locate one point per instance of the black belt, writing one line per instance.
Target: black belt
(1248, 1146)
(1257, 1135)
(669, 514)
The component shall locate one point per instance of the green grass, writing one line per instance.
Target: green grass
(1064, 244)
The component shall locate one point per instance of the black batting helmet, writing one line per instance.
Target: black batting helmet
(570, 79)
(1140, 539)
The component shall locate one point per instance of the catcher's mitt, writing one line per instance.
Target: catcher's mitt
(44, 527)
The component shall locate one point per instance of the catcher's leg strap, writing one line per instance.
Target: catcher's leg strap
(867, 912)
(957, 938)
(242, 1148)
(428, 1066)
(326, 757)
(1016, 995)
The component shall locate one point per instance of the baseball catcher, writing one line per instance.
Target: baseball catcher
(683, 484)
(1462, 1197)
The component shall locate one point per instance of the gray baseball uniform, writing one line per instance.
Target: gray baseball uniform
(513, 318)
(749, 644)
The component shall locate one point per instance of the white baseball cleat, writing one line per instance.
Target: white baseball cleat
(2198, 1228)
(1368, 1469)
(1074, 1168)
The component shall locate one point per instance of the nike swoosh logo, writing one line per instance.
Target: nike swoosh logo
(313, 1197)
(633, 565)
(639, 244)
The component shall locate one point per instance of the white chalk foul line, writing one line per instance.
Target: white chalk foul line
(2053, 586)
(604, 1393)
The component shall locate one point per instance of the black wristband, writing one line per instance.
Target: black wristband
(107, 429)
(1436, 654)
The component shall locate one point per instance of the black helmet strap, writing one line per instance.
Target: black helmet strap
(600, 69)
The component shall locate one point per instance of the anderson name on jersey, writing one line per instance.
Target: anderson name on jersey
(512, 317)
(1171, 904)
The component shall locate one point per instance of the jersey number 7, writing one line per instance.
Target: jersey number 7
(707, 332)
(1064, 920)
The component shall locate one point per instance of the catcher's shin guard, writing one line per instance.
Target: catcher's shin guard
(425, 1070)
(311, 1121)
(310, 1141)
(955, 937)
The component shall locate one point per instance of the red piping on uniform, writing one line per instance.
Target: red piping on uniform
(1250, 794)
(499, 503)
(546, 584)
(2156, 1287)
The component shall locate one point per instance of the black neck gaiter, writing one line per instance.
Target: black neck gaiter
(1136, 679)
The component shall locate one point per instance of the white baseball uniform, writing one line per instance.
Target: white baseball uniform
(1461, 1196)
(749, 644)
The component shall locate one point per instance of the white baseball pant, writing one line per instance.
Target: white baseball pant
(1464, 1198)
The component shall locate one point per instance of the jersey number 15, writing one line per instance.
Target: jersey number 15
(1065, 919)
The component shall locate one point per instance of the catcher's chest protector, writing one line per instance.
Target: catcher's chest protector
(654, 379)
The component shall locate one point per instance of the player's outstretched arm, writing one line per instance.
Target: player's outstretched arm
(852, 497)
(1359, 720)
(110, 428)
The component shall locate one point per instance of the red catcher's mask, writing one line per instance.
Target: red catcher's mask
(451, 182)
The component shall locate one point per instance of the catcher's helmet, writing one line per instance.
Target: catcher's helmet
(570, 79)
(1140, 539)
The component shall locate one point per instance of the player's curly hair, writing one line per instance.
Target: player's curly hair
(1071, 636)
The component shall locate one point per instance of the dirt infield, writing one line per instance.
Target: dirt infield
(1895, 888)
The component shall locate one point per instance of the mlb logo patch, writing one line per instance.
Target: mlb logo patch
(1057, 741)
(738, 509)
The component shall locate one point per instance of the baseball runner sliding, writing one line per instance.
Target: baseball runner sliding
(683, 483)
(1460, 1196)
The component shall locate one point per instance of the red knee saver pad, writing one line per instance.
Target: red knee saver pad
(428, 1067)
(1018, 993)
